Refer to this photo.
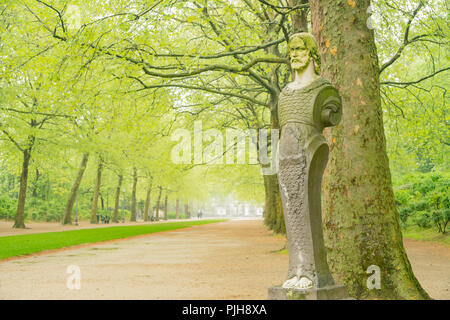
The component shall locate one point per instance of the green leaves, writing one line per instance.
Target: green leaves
(90, 74)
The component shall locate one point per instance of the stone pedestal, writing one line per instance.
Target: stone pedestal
(335, 292)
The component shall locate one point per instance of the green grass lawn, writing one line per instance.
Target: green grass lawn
(430, 234)
(11, 246)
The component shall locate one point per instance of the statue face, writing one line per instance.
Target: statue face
(298, 54)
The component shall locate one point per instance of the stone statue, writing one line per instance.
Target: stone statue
(305, 107)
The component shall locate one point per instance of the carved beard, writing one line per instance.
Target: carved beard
(301, 63)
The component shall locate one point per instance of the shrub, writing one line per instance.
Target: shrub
(41, 210)
(404, 213)
(441, 218)
(173, 214)
(423, 199)
(421, 218)
(8, 207)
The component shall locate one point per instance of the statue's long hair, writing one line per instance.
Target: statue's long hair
(311, 44)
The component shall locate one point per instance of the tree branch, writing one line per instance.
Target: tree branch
(406, 40)
(210, 90)
(409, 83)
(284, 10)
(6, 133)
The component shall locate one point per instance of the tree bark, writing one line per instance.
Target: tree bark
(19, 221)
(117, 200)
(148, 201)
(47, 193)
(299, 17)
(177, 210)
(158, 203)
(74, 192)
(133, 196)
(35, 184)
(361, 223)
(270, 202)
(98, 183)
(165, 206)
(273, 218)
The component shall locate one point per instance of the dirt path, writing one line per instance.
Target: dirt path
(230, 260)
(431, 265)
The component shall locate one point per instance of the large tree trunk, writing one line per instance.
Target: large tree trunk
(117, 200)
(158, 203)
(74, 192)
(133, 196)
(361, 223)
(147, 201)
(20, 214)
(96, 192)
(177, 210)
(165, 206)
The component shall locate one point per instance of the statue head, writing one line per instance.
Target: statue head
(303, 48)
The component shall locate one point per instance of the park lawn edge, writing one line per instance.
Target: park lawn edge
(26, 244)
(428, 235)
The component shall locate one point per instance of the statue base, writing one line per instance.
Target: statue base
(335, 292)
